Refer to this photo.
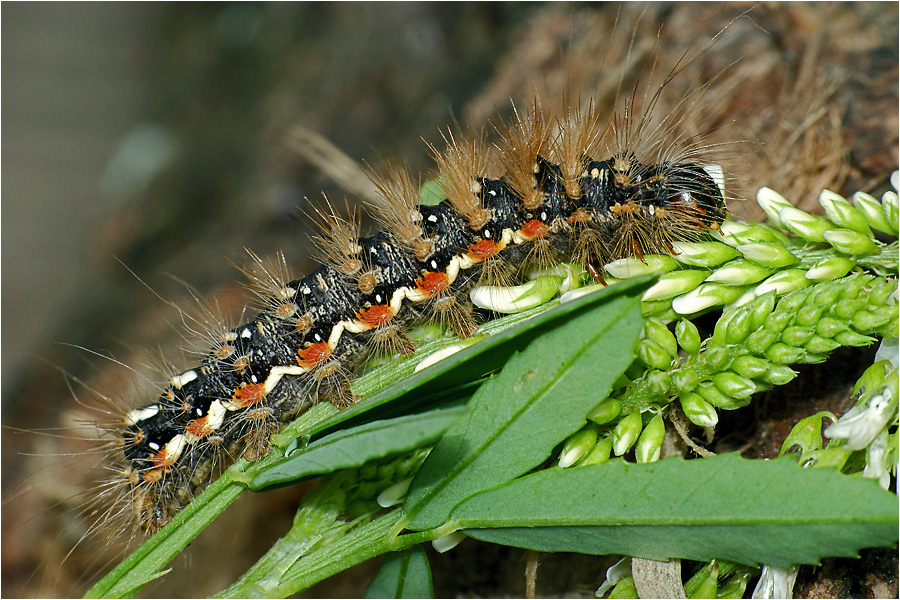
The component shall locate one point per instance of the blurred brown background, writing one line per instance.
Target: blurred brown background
(157, 138)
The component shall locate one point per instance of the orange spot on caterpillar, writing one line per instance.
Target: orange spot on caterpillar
(433, 283)
(535, 229)
(483, 249)
(248, 394)
(314, 355)
(377, 315)
(199, 428)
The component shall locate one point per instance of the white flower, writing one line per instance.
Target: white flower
(775, 582)
(614, 575)
(876, 454)
(862, 423)
(394, 494)
(448, 542)
(889, 350)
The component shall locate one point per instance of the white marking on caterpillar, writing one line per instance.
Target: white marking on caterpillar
(185, 378)
(140, 414)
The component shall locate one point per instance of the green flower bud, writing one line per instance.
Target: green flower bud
(717, 357)
(655, 307)
(768, 255)
(827, 269)
(503, 299)
(709, 392)
(853, 339)
(735, 586)
(657, 331)
(826, 295)
(706, 254)
(807, 226)
(881, 291)
(810, 358)
(866, 320)
(732, 384)
(809, 315)
(600, 453)
(889, 206)
(851, 242)
(626, 433)
(772, 202)
(779, 375)
(751, 367)
(843, 213)
(739, 272)
(698, 411)
(659, 383)
(759, 341)
(674, 284)
(632, 267)
(605, 412)
(782, 354)
(707, 582)
(386, 471)
(738, 327)
(578, 446)
(650, 443)
(685, 380)
(760, 308)
(853, 285)
(784, 282)
(654, 355)
(736, 233)
(796, 336)
(828, 327)
(705, 296)
(848, 307)
(688, 337)
(873, 211)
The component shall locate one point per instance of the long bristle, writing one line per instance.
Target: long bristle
(336, 243)
(461, 163)
(578, 136)
(396, 207)
(525, 139)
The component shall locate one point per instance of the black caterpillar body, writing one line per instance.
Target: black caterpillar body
(315, 330)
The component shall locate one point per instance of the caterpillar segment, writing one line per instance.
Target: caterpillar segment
(314, 331)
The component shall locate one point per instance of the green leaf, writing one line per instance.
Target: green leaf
(354, 447)
(748, 511)
(540, 398)
(411, 390)
(403, 574)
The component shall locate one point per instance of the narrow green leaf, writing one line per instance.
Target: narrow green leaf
(404, 574)
(540, 398)
(748, 511)
(354, 447)
(506, 336)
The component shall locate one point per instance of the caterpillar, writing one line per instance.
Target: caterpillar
(555, 201)
(562, 243)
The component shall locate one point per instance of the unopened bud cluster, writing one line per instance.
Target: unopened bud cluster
(748, 260)
(382, 483)
(791, 299)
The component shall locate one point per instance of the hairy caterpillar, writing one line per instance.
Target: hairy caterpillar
(600, 156)
(555, 201)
